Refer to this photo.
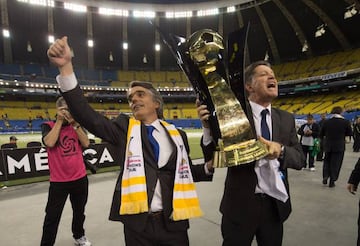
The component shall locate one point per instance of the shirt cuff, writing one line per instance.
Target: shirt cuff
(67, 83)
(207, 138)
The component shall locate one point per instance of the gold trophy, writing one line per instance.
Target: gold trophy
(201, 57)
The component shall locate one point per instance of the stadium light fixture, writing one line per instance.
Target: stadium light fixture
(49, 3)
(90, 43)
(51, 39)
(350, 11)
(266, 57)
(207, 12)
(230, 9)
(145, 60)
(144, 14)
(180, 14)
(75, 7)
(111, 57)
(29, 47)
(116, 12)
(6, 33)
(305, 46)
(125, 45)
(320, 30)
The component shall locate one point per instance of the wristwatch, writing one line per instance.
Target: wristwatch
(281, 156)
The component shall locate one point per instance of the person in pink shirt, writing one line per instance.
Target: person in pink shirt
(64, 139)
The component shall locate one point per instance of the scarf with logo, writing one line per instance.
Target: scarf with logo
(134, 198)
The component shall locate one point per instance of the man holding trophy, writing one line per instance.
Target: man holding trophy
(251, 204)
(257, 143)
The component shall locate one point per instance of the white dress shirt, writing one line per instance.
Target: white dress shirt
(267, 171)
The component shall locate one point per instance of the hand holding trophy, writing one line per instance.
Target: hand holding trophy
(201, 58)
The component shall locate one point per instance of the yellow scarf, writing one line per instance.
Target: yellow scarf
(133, 186)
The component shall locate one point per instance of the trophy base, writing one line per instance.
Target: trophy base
(239, 154)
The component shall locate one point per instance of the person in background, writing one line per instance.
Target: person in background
(154, 196)
(352, 187)
(356, 135)
(334, 132)
(64, 140)
(11, 145)
(256, 199)
(309, 132)
(320, 155)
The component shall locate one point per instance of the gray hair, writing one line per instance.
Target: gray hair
(156, 95)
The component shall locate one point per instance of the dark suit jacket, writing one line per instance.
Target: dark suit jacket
(239, 195)
(8, 146)
(333, 133)
(115, 132)
(355, 174)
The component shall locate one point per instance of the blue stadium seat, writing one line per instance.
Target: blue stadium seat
(89, 74)
(109, 75)
(30, 69)
(10, 69)
(51, 72)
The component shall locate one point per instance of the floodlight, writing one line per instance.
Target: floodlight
(6, 33)
(90, 43)
(51, 39)
(125, 45)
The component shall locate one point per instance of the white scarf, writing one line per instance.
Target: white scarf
(134, 198)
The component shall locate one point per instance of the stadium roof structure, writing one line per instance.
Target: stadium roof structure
(282, 30)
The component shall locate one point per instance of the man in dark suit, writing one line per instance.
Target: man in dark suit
(334, 132)
(320, 155)
(352, 187)
(148, 199)
(248, 207)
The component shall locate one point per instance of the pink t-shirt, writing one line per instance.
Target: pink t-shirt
(65, 159)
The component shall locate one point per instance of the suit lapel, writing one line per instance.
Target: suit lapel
(276, 124)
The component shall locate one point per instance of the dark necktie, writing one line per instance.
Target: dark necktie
(265, 132)
(153, 142)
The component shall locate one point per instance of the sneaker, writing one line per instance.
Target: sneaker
(83, 241)
(312, 169)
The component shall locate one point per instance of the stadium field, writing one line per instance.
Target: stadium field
(193, 137)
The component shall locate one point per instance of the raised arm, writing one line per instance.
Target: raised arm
(59, 55)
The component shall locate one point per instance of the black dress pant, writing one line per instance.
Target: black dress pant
(155, 234)
(309, 158)
(332, 165)
(58, 193)
(265, 226)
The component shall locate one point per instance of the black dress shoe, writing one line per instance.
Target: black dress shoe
(331, 184)
(324, 181)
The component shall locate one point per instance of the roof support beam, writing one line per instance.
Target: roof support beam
(296, 27)
(330, 23)
(269, 35)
